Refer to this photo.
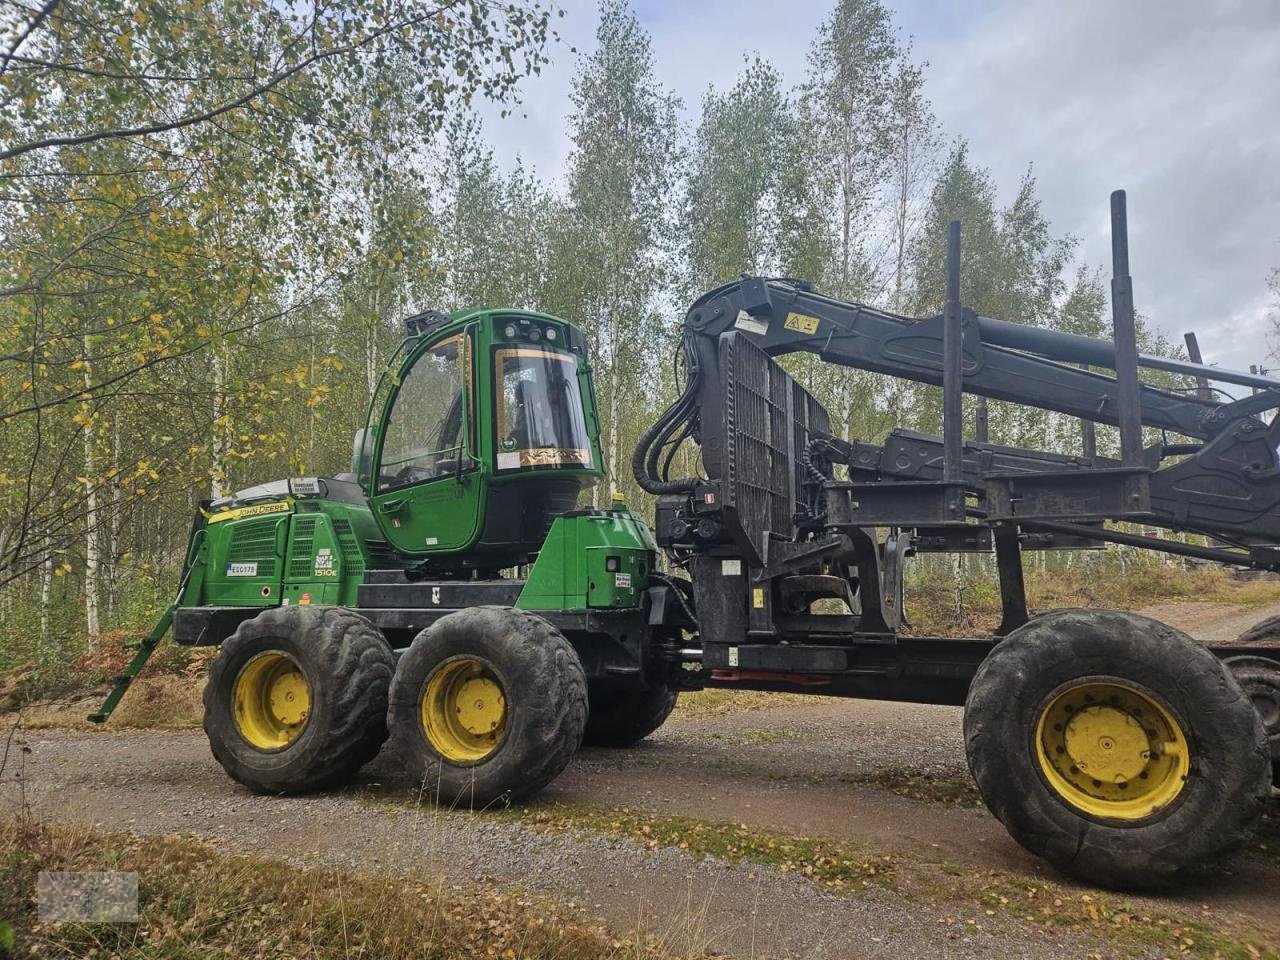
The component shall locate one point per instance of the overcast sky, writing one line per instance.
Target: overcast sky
(1177, 102)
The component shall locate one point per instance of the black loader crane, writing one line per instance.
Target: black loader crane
(1111, 744)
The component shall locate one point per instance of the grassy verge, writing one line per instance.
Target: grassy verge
(1134, 927)
(833, 865)
(163, 701)
(195, 902)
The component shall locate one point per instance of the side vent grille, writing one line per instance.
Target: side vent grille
(254, 541)
(304, 537)
(352, 557)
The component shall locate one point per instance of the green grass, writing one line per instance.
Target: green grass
(1130, 926)
(833, 865)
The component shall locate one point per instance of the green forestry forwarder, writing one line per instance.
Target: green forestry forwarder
(383, 604)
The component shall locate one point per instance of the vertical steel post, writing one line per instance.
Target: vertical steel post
(1013, 589)
(1129, 413)
(1193, 352)
(952, 370)
(1088, 433)
(982, 421)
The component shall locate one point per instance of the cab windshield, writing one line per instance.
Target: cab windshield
(539, 415)
(426, 433)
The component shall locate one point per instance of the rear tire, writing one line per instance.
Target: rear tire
(1259, 677)
(338, 666)
(622, 716)
(1133, 696)
(489, 704)
(1264, 633)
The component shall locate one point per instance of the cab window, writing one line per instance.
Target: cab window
(540, 421)
(426, 433)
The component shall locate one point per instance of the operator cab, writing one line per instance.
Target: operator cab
(482, 430)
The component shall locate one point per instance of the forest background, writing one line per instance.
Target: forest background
(216, 213)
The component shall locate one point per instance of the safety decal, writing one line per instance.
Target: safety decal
(801, 323)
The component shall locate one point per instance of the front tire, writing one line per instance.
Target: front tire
(297, 698)
(1115, 747)
(489, 704)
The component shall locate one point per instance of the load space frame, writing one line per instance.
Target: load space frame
(770, 523)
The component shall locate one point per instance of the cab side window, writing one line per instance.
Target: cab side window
(426, 434)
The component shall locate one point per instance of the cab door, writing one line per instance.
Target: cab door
(426, 477)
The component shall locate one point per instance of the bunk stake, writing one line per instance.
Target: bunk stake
(981, 421)
(953, 373)
(1013, 591)
(1193, 351)
(1129, 412)
(1088, 434)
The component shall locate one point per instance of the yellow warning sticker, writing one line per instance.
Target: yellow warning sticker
(280, 506)
(801, 323)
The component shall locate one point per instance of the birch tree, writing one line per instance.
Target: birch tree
(616, 239)
(847, 101)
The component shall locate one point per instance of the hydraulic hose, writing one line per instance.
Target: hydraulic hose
(644, 460)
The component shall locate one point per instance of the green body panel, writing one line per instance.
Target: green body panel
(310, 552)
(591, 559)
(436, 517)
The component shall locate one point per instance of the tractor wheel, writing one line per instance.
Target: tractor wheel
(487, 705)
(622, 716)
(1259, 677)
(297, 698)
(1115, 747)
(1265, 633)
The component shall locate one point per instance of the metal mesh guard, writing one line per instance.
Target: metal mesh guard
(769, 419)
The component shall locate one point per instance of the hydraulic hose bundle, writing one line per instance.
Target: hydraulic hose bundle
(651, 461)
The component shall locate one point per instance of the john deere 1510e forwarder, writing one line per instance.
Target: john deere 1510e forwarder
(374, 604)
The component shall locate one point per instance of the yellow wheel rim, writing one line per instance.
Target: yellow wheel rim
(1111, 750)
(464, 710)
(272, 700)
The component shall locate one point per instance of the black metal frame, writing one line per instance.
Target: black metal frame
(766, 448)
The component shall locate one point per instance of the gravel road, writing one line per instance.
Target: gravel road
(814, 767)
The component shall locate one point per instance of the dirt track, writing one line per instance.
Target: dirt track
(817, 767)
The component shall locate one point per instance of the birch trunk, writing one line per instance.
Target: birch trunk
(614, 483)
(218, 449)
(92, 546)
(114, 521)
(46, 590)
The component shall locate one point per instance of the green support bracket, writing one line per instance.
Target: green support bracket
(152, 639)
(145, 649)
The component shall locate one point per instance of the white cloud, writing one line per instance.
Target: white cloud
(1177, 102)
